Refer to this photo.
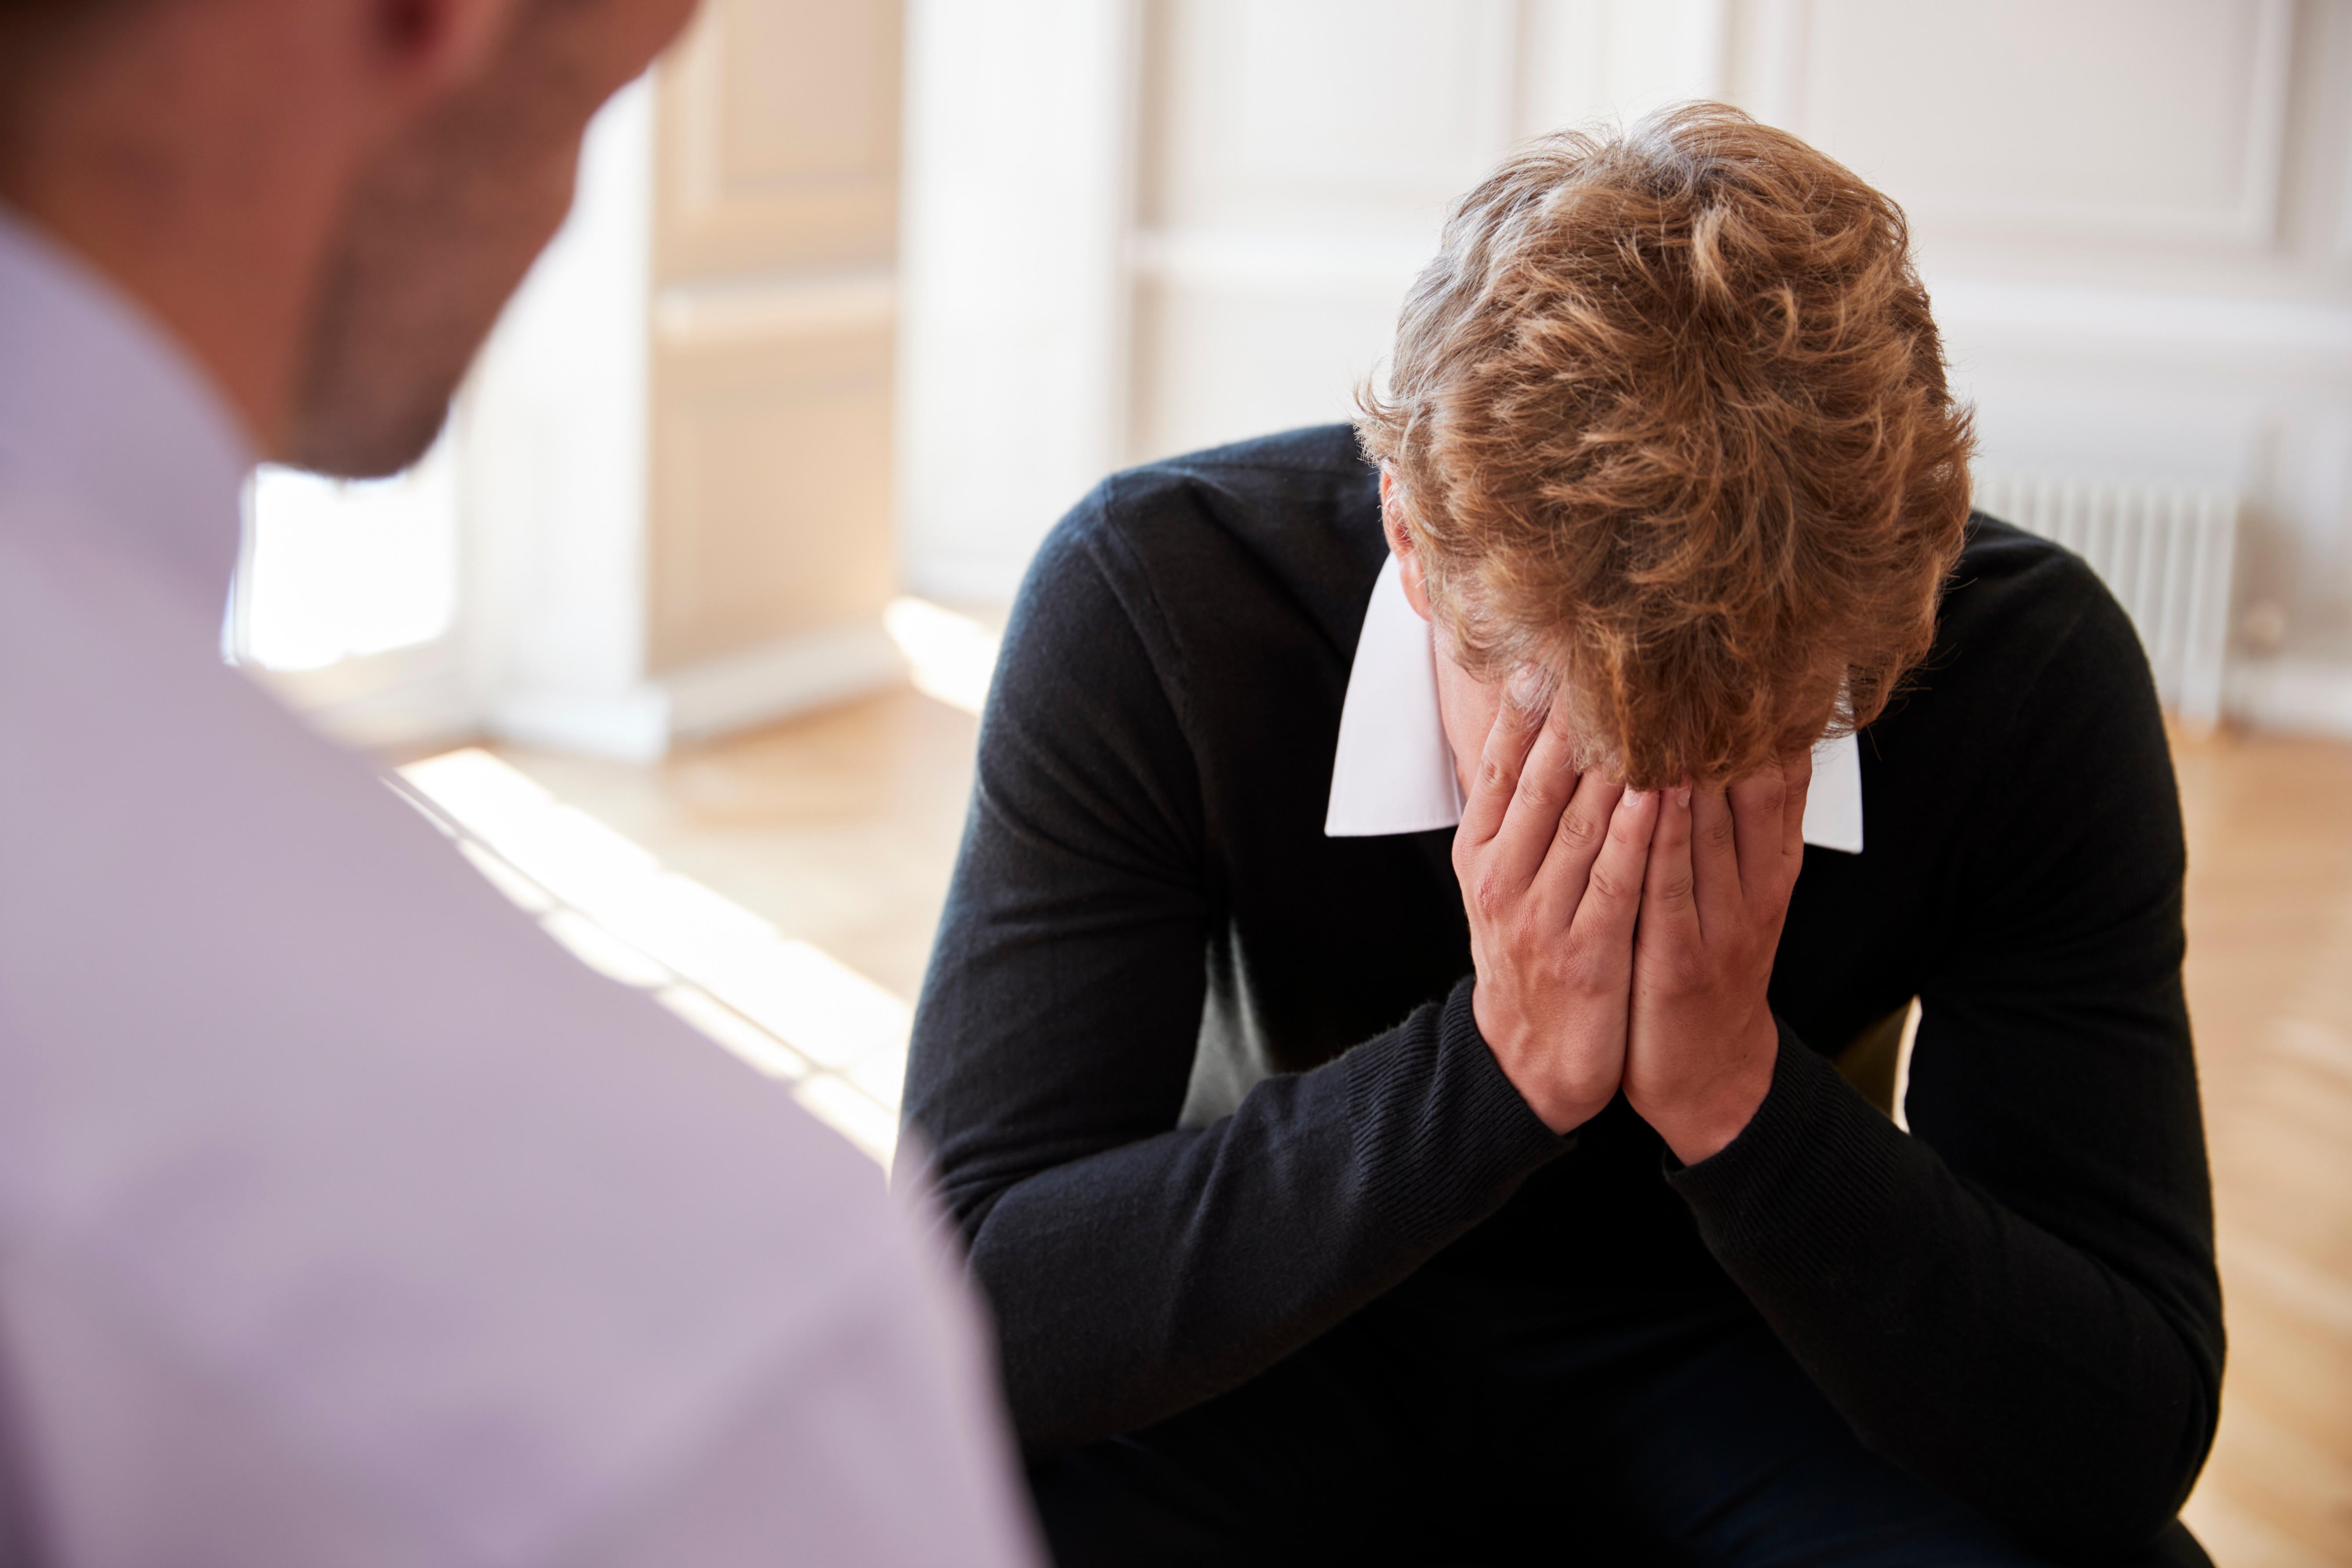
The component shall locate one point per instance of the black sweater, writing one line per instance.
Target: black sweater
(1200, 1081)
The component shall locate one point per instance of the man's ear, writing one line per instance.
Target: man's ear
(1409, 568)
(428, 47)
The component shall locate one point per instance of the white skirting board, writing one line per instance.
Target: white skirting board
(775, 680)
(783, 678)
(415, 714)
(2310, 695)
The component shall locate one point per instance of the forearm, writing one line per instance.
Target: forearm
(1135, 1282)
(1979, 1350)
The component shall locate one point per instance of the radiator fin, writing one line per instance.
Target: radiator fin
(2164, 552)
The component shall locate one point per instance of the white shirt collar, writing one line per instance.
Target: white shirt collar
(102, 408)
(1394, 769)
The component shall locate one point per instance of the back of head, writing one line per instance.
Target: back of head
(1668, 418)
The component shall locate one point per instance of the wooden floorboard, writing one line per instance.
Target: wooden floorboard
(2270, 986)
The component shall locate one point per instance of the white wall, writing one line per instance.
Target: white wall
(1019, 172)
(1297, 160)
(554, 422)
(1141, 226)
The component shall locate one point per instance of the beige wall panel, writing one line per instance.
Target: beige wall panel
(1297, 160)
(775, 237)
(1228, 363)
(779, 139)
(1314, 111)
(771, 493)
(2009, 114)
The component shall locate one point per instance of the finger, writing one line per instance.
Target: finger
(1759, 807)
(1669, 895)
(1518, 720)
(1714, 857)
(1567, 868)
(1612, 892)
(1792, 814)
(1546, 783)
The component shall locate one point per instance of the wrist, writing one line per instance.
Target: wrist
(1561, 1099)
(1705, 1121)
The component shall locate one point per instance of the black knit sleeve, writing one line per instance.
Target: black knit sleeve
(2017, 1301)
(1135, 1267)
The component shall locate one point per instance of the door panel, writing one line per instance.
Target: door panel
(774, 326)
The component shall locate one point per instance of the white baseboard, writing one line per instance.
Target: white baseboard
(408, 700)
(964, 577)
(791, 675)
(627, 726)
(2311, 695)
(409, 720)
(780, 679)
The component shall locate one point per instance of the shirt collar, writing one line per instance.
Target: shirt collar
(100, 408)
(1394, 769)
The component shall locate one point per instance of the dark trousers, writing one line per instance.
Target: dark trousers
(1471, 1422)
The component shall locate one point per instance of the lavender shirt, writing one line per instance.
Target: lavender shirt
(343, 1217)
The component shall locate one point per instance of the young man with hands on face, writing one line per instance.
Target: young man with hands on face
(1381, 1049)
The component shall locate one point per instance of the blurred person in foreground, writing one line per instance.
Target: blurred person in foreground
(1381, 1048)
(345, 1218)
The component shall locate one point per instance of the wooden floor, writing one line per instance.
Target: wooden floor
(841, 828)
(2270, 987)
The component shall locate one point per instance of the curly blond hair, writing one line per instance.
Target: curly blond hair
(1668, 419)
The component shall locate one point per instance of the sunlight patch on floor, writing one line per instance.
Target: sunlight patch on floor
(788, 1008)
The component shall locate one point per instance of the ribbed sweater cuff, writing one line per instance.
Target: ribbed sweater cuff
(1438, 1127)
(1817, 1167)
(1495, 1101)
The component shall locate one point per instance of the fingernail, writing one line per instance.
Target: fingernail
(1682, 795)
(1526, 689)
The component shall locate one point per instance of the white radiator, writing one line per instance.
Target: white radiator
(2164, 552)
